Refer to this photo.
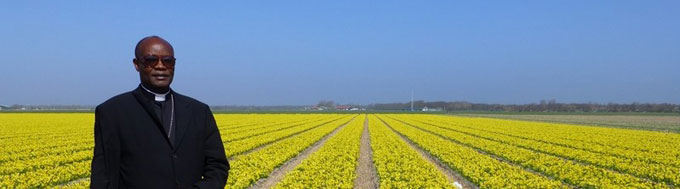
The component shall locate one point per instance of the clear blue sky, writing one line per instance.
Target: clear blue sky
(300, 52)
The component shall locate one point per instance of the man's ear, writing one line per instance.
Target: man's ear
(134, 62)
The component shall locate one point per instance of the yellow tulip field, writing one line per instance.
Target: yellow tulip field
(54, 150)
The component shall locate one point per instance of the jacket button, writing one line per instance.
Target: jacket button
(174, 156)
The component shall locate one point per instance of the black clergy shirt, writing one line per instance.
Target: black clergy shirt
(163, 111)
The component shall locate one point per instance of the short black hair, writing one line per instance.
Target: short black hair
(143, 39)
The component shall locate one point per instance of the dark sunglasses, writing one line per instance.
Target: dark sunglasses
(152, 60)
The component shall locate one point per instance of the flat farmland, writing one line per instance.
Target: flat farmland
(54, 150)
(665, 122)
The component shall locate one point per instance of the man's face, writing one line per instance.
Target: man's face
(155, 61)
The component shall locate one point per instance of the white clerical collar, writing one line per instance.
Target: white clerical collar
(157, 96)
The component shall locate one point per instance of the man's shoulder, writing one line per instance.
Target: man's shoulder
(118, 100)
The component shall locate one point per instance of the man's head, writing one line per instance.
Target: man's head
(155, 62)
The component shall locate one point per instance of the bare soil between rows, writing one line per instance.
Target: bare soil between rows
(277, 175)
(451, 175)
(367, 178)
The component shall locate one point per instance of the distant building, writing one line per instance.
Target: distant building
(343, 107)
(3, 107)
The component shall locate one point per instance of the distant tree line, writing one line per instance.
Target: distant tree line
(255, 108)
(326, 104)
(47, 107)
(542, 106)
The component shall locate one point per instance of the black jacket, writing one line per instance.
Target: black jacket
(133, 151)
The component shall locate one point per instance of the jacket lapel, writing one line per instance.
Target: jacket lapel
(182, 117)
(146, 103)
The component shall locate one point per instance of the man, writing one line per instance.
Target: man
(154, 137)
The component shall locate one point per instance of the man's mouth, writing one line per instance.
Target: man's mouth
(160, 76)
